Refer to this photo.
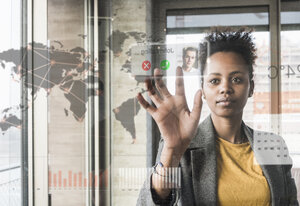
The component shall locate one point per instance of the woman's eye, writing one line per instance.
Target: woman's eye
(236, 80)
(214, 81)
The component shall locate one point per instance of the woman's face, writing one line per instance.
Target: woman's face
(226, 85)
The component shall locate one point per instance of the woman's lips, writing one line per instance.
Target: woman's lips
(225, 102)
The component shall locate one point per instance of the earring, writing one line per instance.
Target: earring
(203, 95)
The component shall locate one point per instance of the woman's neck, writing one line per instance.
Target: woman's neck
(228, 128)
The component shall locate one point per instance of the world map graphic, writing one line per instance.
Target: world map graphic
(67, 70)
(71, 71)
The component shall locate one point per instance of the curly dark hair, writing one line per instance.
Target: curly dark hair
(225, 39)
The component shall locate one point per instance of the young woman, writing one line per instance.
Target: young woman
(217, 159)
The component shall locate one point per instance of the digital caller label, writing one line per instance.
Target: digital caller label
(167, 57)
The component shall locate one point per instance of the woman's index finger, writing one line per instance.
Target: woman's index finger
(179, 83)
(160, 85)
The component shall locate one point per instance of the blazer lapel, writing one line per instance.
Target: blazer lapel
(204, 164)
(273, 173)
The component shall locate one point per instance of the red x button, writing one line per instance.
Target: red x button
(146, 65)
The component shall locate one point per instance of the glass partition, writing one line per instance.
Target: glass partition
(10, 104)
(78, 145)
(175, 28)
(72, 131)
(190, 30)
(290, 74)
(290, 93)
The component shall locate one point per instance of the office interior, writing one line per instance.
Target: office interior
(72, 132)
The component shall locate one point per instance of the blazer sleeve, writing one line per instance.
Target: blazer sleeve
(148, 197)
(291, 186)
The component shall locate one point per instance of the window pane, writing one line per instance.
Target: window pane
(10, 108)
(290, 78)
(290, 74)
(257, 110)
(250, 19)
(67, 103)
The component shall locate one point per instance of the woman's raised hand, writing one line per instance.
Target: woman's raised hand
(176, 123)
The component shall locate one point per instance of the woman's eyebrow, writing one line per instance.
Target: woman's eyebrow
(218, 74)
(236, 72)
(231, 73)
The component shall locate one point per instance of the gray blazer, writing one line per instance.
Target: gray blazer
(199, 170)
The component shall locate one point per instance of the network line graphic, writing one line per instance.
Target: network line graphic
(45, 68)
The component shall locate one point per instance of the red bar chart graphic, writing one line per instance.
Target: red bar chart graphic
(77, 180)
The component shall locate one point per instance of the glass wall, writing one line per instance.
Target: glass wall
(71, 129)
(67, 100)
(290, 73)
(77, 145)
(190, 31)
(10, 104)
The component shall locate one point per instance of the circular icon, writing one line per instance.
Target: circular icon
(146, 65)
(164, 64)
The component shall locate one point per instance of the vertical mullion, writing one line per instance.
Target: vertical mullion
(275, 103)
(40, 103)
(86, 21)
(89, 123)
(88, 96)
(95, 106)
(91, 86)
(107, 138)
(24, 101)
(29, 125)
(103, 25)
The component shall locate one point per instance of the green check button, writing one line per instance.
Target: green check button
(164, 64)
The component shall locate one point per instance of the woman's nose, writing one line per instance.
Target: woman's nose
(226, 87)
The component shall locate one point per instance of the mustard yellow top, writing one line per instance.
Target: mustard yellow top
(240, 180)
